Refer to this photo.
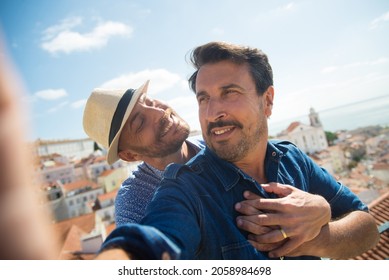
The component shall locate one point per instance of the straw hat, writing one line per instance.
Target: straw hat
(105, 114)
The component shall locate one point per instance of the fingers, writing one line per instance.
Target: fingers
(248, 224)
(274, 242)
(248, 207)
(165, 256)
(255, 204)
(273, 235)
(279, 189)
(264, 219)
(270, 241)
(286, 249)
(266, 204)
(265, 247)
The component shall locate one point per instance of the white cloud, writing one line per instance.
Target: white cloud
(379, 20)
(62, 37)
(160, 80)
(51, 94)
(78, 104)
(56, 108)
(187, 108)
(180, 102)
(64, 25)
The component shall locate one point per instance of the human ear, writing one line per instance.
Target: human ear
(128, 156)
(268, 98)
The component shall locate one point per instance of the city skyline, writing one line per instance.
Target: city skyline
(324, 54)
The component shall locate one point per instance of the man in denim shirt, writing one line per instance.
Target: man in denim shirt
(148, 130)
(192, 214)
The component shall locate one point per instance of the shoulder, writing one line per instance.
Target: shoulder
(196, 141)
(283, 144)
(194, 165)
(142, 182)
(143, 174)
(286, 147)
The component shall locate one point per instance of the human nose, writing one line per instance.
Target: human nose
(215, 110)
(157, 115)
(156, 112)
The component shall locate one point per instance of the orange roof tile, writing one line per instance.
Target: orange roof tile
(292, 126)
(84, 222)
(106, 172)
(108, 195)
(99, 159)
(72, 243)
(78, 185)
(381, 166)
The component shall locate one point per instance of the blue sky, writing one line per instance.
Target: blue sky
(324, 53)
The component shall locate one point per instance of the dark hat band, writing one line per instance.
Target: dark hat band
(119, 114)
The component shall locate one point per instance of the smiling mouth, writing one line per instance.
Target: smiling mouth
(221, 131)
(220, 128)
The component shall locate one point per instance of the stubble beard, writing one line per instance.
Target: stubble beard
(235, 152)
(161, 148)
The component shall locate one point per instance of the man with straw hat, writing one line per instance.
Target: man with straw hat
(155, 135)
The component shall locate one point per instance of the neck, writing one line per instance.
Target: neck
(254, 164)
(184, 154)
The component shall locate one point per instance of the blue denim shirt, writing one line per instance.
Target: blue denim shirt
(192, 213)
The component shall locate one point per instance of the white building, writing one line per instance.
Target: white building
(309, 138)
(55, 168)
(77, 148)
(95, 166)
(79, 195)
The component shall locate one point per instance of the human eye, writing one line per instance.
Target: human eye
(201, 98)
(230, 91)
(139, 124)
(149, 102)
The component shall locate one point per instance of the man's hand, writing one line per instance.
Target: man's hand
(300, 215)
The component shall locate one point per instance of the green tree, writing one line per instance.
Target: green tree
(331, 137)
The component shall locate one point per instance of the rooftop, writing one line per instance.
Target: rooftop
(379, 209)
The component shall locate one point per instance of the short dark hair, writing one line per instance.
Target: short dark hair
(219, 51)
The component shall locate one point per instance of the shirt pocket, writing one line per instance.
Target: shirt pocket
(242, 250)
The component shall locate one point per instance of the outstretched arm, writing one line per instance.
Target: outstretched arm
(25, 232)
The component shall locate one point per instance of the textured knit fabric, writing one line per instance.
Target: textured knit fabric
(194, 206)
(136, 191)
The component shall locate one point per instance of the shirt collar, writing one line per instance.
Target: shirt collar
(229, 174)
(226, 172)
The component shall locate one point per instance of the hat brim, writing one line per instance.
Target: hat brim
(112, 154)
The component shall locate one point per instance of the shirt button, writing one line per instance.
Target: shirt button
(273, 154)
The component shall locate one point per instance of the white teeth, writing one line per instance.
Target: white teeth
(218, 132)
